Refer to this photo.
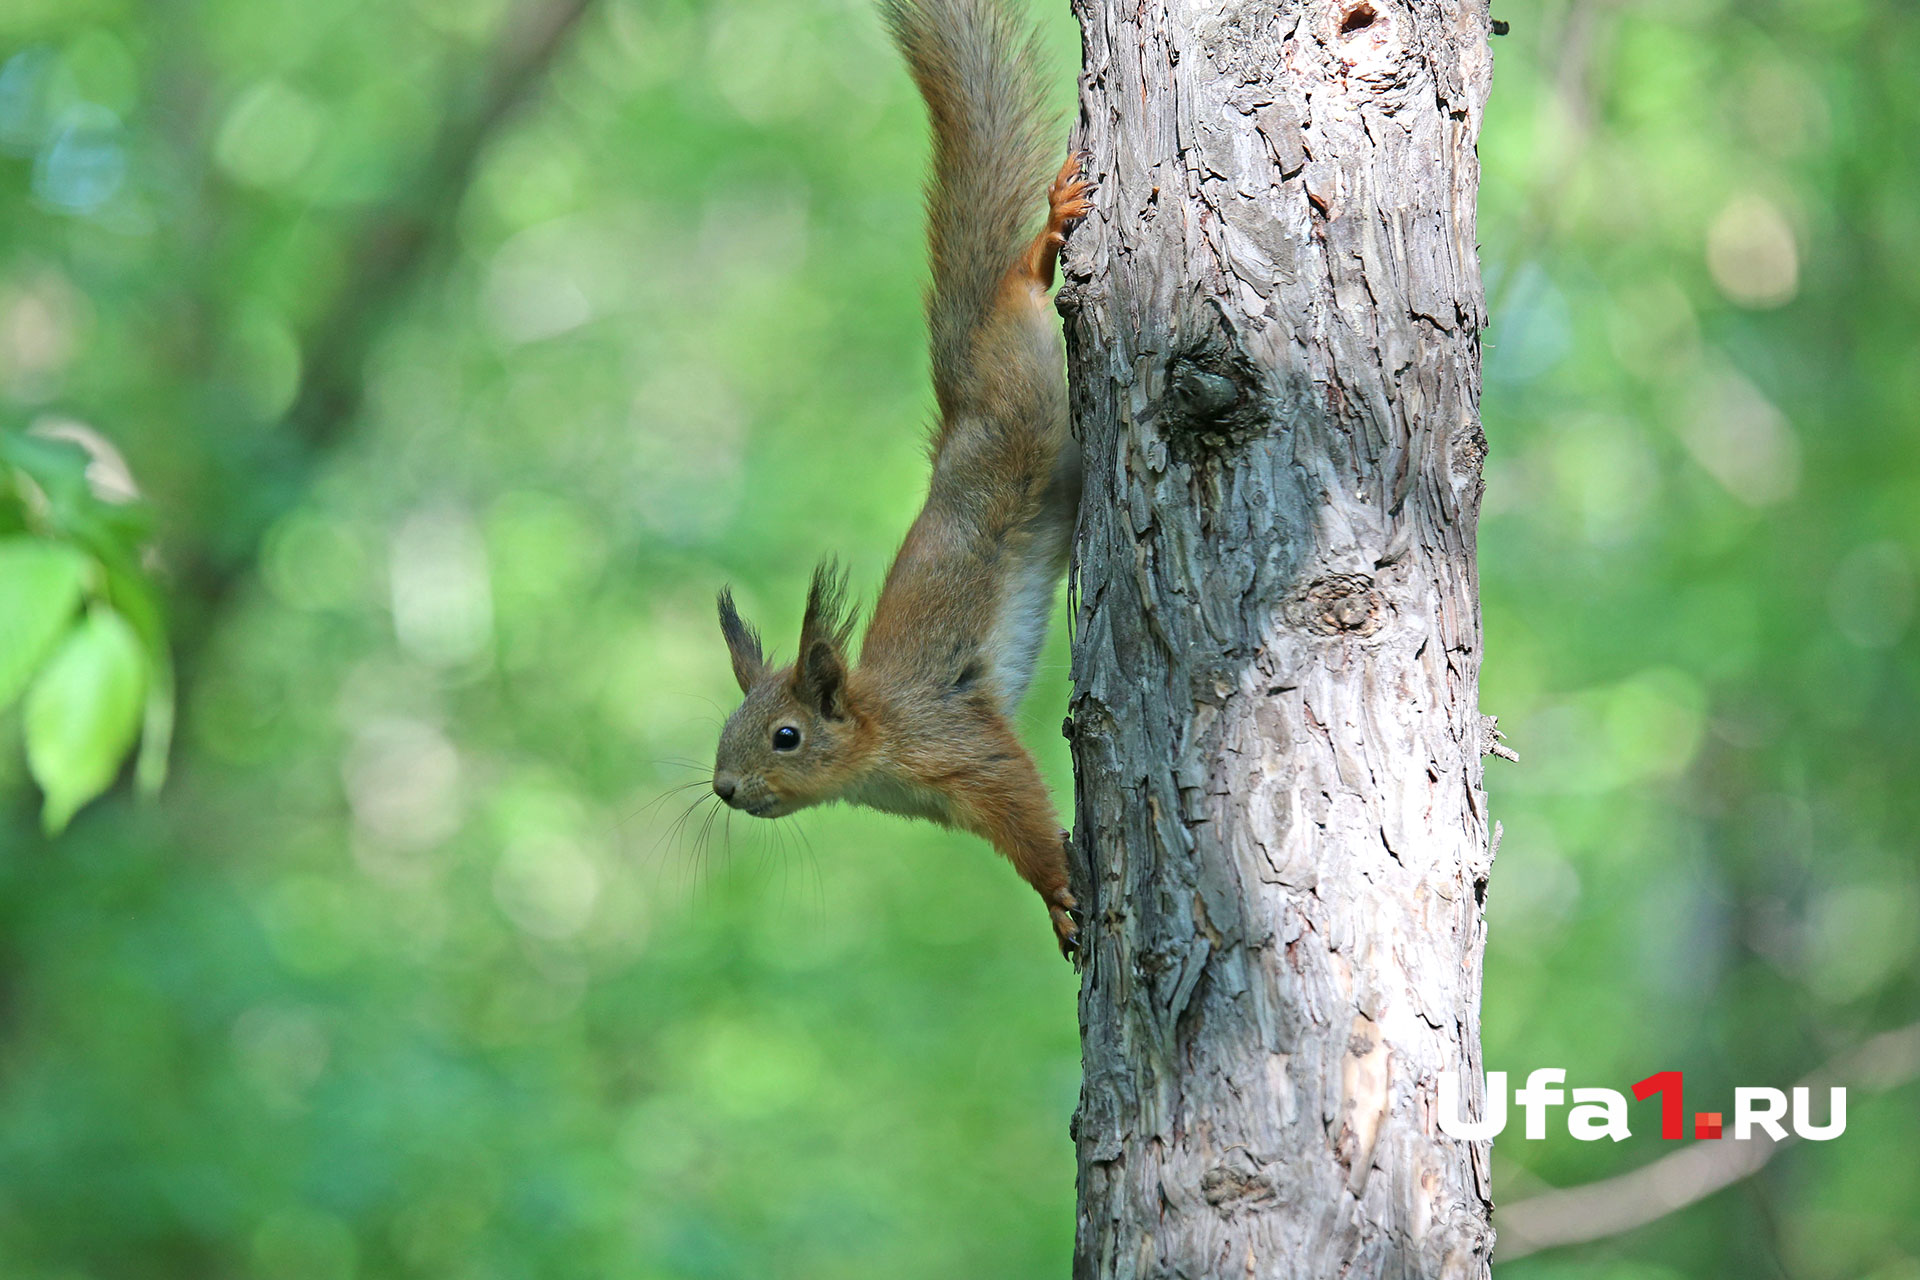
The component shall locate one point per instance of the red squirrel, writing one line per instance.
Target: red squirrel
(922, 724)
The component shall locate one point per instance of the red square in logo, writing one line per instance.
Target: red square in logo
(1706, 1124)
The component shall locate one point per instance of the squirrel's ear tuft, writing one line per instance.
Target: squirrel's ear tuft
(820, 675)
(829, 620)
(743, 643)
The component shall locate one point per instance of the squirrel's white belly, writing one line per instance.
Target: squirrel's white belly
(898, 796)
(1021, 631)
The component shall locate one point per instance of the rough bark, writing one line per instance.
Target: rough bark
(1273, 329)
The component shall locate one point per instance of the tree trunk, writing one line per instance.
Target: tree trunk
(1282, 844)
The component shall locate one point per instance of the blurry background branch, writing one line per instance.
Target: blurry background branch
(397, 240)
(386, 255)
(1577, 1215)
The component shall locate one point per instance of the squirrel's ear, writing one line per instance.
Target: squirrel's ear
(743, 643)
(820, 675)
(820, 680)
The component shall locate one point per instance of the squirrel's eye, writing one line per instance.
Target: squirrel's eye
(786, 738)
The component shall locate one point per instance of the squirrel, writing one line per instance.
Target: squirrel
(921, 725)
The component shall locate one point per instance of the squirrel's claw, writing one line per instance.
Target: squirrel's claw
(1066, 929)
(1066, 932)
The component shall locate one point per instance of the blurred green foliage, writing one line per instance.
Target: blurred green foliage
(415, 969)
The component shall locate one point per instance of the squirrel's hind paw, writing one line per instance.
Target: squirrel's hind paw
(1068, 198)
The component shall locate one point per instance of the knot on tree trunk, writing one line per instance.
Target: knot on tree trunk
(1340, 604)
(1212, 403)
(1232, 1187)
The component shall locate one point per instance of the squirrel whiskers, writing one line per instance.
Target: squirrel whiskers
(921, 725)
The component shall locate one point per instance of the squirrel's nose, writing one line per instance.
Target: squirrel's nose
(723, 787)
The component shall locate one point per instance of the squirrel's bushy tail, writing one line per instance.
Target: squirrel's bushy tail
(994, 144)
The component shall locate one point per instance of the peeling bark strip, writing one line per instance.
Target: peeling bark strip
(1273, 328)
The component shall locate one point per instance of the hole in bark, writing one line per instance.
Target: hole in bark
(1358, 18)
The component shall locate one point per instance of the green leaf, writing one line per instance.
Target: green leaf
(132, 594)
(83, 712)
(40, 586)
